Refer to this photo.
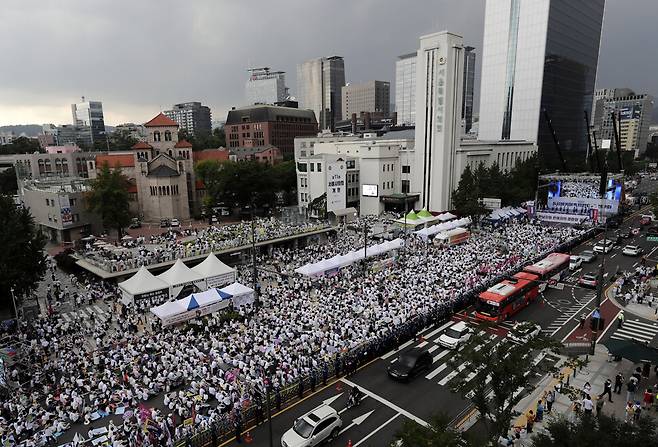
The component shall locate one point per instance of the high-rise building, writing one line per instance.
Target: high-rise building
(89, 114)
(265, 86)
(319, 84)
(539, 55)
(469, 85)
(191, 116)
(633, 112)
(405, 89)
(370, 96)
(439, 89)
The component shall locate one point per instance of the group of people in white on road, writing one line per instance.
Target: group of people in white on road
(128, 366)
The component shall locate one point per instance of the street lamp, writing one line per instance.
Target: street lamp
(13, 298)
(253, 252)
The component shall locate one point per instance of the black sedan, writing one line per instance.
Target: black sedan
(410, 364)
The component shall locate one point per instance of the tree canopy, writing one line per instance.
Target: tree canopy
(8, 182)
(22, 259)
(602, 431)
(509, 366)
(511, 187)
(439, 433)
(204, 140)
(237, 183)
(109, 198)
(22, 145)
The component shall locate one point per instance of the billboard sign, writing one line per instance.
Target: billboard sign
(583, 205)
(336, 180)
(370, 190)
(65, 211)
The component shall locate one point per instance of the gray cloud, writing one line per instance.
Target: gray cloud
(141, 56)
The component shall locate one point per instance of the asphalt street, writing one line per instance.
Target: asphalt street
(389, 403)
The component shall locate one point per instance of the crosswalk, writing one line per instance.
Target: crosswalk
(84, 315)
(568, 313)
(636, 330)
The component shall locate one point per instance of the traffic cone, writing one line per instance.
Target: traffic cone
(339, 387)
(247, 438)
(349, 443)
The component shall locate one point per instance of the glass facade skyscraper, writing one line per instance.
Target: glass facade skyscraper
(405, 89)
(319, 85)
(89, 115)
(539, 54)
(469, 85)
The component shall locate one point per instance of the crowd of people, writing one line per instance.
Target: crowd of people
(133, 253)
(580, 189)
(214, 372)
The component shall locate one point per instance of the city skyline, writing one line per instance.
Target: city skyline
(121, 75)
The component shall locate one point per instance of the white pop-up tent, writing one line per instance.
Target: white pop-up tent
(179, 275)
(192, 306)
(215, 272)
(240, 294)
(143, 284)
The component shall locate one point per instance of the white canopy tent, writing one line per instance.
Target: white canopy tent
(446, 216)
(192, 306)
(240, 294)
(179, 275)
(425, 233)
(215, 272)
(339, 261)
(143, 284)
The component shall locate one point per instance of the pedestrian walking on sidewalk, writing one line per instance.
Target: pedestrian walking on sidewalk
(530, 421)
(620, 319)
(631, 388)
(628, 412)
(619, 382)
(550, 398)
(588, 405)
(540, 411)
(607, 389)
(647, 400)
(599, 406)
(583, 318)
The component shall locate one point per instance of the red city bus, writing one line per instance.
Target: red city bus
(552, 269)
(506, 298)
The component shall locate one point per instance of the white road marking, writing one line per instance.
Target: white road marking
(376, 430)
(437, 371)
(423, 344)
(437, 330)
(357, 421)
(433, 348)
(391, 405)
(395, 351)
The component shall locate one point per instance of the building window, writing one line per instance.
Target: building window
(156, 136)
(405, 186)
(73, 201)
(312, 167)
(167, 135)
(319, 167)
(406, 169)
(47, 202)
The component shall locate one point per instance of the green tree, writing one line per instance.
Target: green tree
(602, 431)
(238, 183)
(438, 433)
(22, 260)
(22, 145)
(285, 176)
(204, 140)
(653, 201)
(507, 365)
(465, 197)
(109, 198)
(8, 182)
(522, 182)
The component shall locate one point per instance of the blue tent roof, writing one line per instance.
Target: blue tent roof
(193, 304)
(224, 295)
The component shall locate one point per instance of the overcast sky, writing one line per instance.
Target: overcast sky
(140, 57)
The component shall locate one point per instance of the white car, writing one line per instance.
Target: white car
(313, 428)
(649, 216)
(523, 332)
(602, 247)
(632, 250)
(575, 262)
(456, 335)
(174, 223)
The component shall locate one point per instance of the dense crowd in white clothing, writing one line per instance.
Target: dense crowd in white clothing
(213, 371)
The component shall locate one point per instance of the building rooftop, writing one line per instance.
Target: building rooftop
(114, 160)
(183, 143)
(259, 113)
(59, 185)
(211, 154)
(163, 171)
(161, 120)
(141, 145)
(247, 151)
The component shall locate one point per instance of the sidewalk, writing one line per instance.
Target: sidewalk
(640, 310)
(596, 372)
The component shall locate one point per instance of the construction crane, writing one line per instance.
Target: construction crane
(556, 141)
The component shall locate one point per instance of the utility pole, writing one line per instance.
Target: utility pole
(365, 253)
(253, 252)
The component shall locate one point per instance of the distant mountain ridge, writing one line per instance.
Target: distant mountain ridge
(30, 130)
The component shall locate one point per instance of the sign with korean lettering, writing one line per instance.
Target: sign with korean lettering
(336, 180)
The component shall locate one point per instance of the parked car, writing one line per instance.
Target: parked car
(653, 231)
(575, 262)
(588, 280)
(135, 223)
(603, 246)
(164, 223)
(523, 332)
(174, 223)
(625, 234)
(410, 363)
(456, 335)
(315, 427)
(214, 219)
(649, 216)
(645, 220)
(587, 256)
(632, 250)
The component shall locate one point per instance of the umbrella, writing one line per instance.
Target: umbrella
(632, 350)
